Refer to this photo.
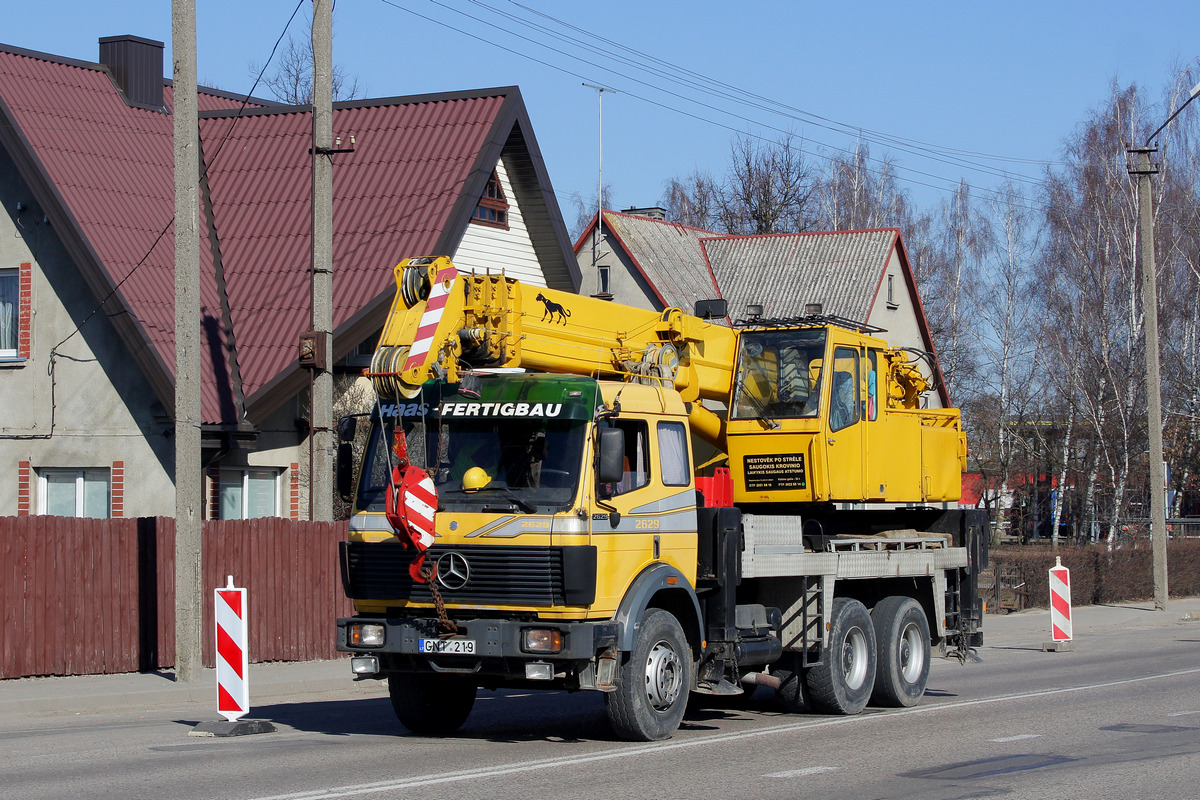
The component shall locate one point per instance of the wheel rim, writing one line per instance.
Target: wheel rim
(664, 676)
(912, 653)
(854, 658)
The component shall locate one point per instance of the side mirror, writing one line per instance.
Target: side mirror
(346, 428)
(344, 471)
(610, 461)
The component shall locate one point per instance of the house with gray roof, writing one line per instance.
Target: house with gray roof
(638, 258)
(87, 267)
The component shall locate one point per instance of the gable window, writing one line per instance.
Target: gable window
(10, 312)
(493, 205)
(73, 493)
(249, 493)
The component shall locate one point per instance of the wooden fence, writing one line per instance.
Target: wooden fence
(84, 596)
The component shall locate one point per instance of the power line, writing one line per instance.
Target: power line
(886, 165)
(841, 126)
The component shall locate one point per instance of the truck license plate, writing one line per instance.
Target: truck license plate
(462, 647)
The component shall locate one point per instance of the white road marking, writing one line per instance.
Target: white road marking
(800, 773)
(627, 751)
(1017, 738)
(1182, 713)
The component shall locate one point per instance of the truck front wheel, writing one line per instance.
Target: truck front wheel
(902, 632)
(653, 681)
(429, 704)
(843, 681)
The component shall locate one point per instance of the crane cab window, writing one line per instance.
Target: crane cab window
(637, 456)
(673, 454)
(779, 374)
(843, 400)
(872, 409)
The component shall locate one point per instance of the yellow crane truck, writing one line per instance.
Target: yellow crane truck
(651, 505)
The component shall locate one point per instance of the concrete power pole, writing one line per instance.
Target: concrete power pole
(1158, 500)
(321, 423)
(188, 577)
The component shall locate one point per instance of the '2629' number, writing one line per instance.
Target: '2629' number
(646, 524)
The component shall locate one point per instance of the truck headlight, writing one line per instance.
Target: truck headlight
(364, 634)
(541, 640)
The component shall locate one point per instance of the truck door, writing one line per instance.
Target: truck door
(844, 434)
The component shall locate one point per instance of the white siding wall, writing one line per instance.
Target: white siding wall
(899, 317)
(486, 248)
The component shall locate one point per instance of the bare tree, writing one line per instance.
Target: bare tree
(585, 209)
(1093, 311)
(291, 80)
(766, 189)
(858, 192)
(692, 200)
(1178, 255)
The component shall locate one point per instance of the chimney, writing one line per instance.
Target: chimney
(136, 65)
(654, 212)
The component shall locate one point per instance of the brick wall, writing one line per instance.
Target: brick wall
(294, 491)
(24, 475)
(117, 489)
(25, 340)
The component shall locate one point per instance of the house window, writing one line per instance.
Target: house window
(73, 493)
(493, 206)
(248, 493)
(10, 313)
(891, 291)
(603, 280)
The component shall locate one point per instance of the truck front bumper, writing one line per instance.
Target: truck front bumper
(498, 645)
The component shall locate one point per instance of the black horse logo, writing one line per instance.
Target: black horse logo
(553, 308)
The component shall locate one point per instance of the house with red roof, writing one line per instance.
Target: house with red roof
(87, 267)
(638, 258)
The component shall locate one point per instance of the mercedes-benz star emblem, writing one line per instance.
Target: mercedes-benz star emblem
(453, 571)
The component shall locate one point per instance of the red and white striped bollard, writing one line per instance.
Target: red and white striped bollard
(233, 680)
(1060, 608)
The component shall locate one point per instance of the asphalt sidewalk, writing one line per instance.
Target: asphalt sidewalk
(306, 680)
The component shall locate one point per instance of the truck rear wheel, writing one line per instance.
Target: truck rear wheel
(653, 681)
(902, 633)
(431, 704)
(842, 683)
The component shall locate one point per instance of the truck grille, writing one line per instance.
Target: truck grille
(499, 574)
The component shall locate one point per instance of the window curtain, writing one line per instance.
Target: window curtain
(9, 309)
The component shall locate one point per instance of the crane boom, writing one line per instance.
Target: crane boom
(783, 398)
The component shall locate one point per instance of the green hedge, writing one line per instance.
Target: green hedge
(1100, 576)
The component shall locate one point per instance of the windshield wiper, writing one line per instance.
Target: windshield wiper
(522, 504)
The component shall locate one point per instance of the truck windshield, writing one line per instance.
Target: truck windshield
(779, 374)
(517, 456)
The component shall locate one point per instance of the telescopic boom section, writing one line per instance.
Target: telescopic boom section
(443, 322)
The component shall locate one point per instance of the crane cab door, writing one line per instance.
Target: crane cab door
(844, 427)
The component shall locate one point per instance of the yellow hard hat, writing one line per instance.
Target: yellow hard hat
(475, 479)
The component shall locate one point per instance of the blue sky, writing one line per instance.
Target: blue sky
(1006, 79)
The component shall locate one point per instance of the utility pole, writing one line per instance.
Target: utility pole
(320, 468)
(1158, 503)
(1158, 479)
(598, 238)
(188, 577)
